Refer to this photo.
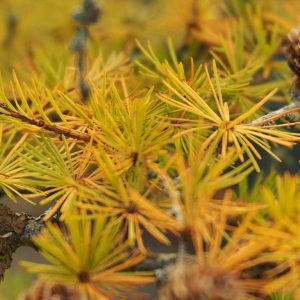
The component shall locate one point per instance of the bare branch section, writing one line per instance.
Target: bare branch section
(294, 63)
(276, 114)
(15, 231)
(42, 124)
(286, 110)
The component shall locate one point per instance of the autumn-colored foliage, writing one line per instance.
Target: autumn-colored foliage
(136, 123)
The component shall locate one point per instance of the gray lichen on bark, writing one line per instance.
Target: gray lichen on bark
(16, 229)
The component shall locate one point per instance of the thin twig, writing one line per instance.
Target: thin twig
(42, 124)
(87, 15)
(178, 214)
(11, 28)
(276, 114)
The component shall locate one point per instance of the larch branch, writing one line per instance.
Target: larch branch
(42, 124)
(276, 114)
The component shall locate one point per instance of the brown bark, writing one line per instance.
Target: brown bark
(15, 231)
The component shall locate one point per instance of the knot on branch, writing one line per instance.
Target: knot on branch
(88, 14)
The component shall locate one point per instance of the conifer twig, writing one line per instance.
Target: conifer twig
(294, 64)
(193, 22)
(276, 114)
(85, 16)
(11, 28)
(42, 124)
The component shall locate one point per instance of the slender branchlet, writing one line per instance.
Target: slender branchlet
(85, 16)
(193, 22)
(42, 124)
(293, 61)
(285, 111)
(191, 26)
(11, 28)
(163, 274)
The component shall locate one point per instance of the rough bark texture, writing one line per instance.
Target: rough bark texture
(15, 231)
